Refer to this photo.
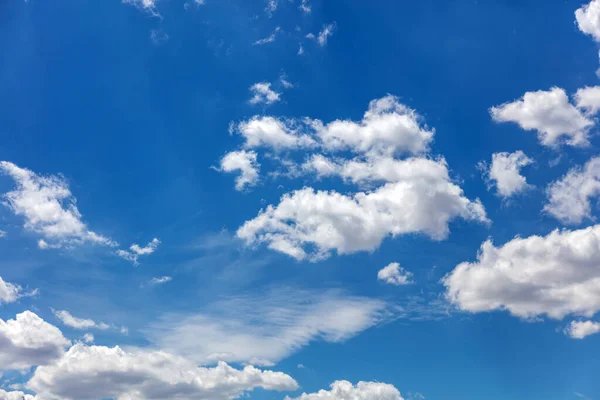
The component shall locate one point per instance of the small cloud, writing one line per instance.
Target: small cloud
(301, 50)
(135, 251)
(394, 274)
(286, 84)
(301, 366)
(262, 93)
(88, 338)
(271, 7)
(158, 36)
(2, 233)
(323, 35)
(582, 396)
(268, 39)
(159, 281)
(305, 6)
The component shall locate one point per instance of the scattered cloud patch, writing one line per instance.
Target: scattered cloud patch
(263, 94)
(78, 323)
(549, 113)
(158, 36)
(49, 209)
(505, 172)
(394, 274)
(344, 390)
(269, 39)
(135, 251)
(15, 395)
(305, 6)
(145, 5)
(271, 7)
(588, 19)
(10, 292)
(569, 197)
(322, 37)
(2, 233)
(88, 338)
(581, 329)
(160, 280)
(245, 163)
(554, 275)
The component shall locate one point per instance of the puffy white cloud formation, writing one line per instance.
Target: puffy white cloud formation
(135, 251)
(394, 274)
(549, 113)
(588, 19)
(569, 197)
(262, 93)
(10, 292)
(344, 390)
(15, 395)
(310, 224)
(244, 162)
(78, 323)
(49, 208)
(266, 328)
(581, 329)
(505, 172)
(98, 372)
(272, 133)
(588, 99)
(27, 341)
(554, 275)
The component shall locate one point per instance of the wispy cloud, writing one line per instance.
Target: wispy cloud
(269, 39)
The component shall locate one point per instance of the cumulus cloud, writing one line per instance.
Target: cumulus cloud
(269, 39)
(135, 251)
(272, 133)
(311, 224)
(246, 164)
(344, 390)
(581, 329)
(549, 113)
(98, 372)
(505, 172)
(88, 338)
(324, 34)
(262, 93)
(28, 341)
(588, 19)
(588, 99)
(49, 208)
(554, 275)
(569, 197)
(10, 292)
(15, 395)
(265, 328)
(394, 274)
(78, 323)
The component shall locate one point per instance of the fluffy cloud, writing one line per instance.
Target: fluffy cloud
(550, 114)
(10, 292)
(49, 208)
(569, 197)
(324, 34)
(394, 274)
(244, 162)
(88, 338)
(135, 251)
(505, 172)
(97, 372)
(588, 19)
(554, 275)
(311, 224)
(27, 341)
(272, 133)
(15, 395)
(78, 323)
(265, 328)
(262, 93)
(588, 99)
(344, 390)
(581, 329)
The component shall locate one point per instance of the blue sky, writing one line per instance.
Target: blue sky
(314, 199)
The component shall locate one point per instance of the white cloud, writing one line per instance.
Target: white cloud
(16, 395)
(262, 93)
(49, 208)
(554, 275)
(344, 390)
(160, 281)
(271, 7)
(588, 98)
(135, 251)
(272, 133)
(300, 50)
(588, 19)
(324, 34)
(244, 162)
(10, 292)
(505, 172)
(569, 197)
(158, 36)
(98, 372)
(146, 5)
(78, 323)
(286, 84)
(269, 39)
(2, 233)
(310, 224)
(88, 338)
(550, 114)
(266, 328)
(394, 274)
(27, 341)
(305, 6)
(581, 329)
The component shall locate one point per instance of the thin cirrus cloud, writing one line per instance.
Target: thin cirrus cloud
(569, 198)
(505, 173)
(49, 209)
(343, 390)
(264, 329)
(554, 275)
(323, 36)
(269, 39)
(160, 280)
